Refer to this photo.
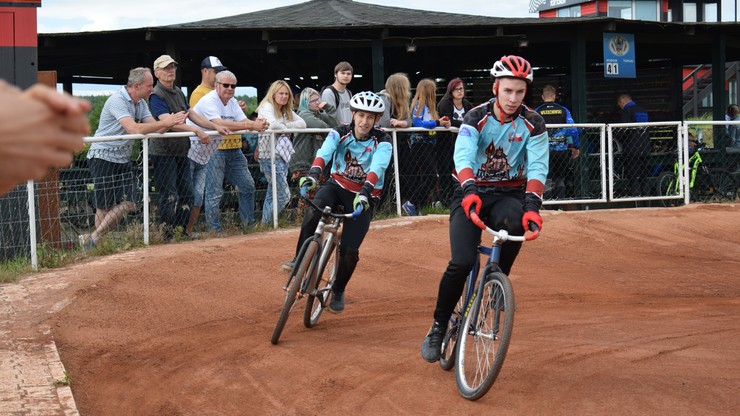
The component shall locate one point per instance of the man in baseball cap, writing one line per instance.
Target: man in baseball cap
(212, 62)
(163, 61)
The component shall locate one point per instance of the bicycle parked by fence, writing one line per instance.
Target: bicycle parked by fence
(315, 268)
(706, 184)
(480, 327)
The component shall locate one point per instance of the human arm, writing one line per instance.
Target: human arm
(39, 129)
(417, 120)
(538, 157)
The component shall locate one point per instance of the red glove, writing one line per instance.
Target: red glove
(531, 217)
(471, 200)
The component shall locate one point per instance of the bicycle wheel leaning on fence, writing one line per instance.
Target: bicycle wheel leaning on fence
(310, 275)
(705, 184)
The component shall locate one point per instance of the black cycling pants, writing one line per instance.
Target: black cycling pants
(502, 209)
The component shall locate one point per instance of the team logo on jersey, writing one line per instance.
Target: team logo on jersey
(496, 167)
(353, 171)
(515, 137)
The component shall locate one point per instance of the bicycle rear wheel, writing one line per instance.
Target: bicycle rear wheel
(667, 186)
(724, 186)
(315, 304)
(484, 337)
(449, 343)
(305, 264)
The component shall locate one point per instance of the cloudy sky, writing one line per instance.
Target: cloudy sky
(94, 15)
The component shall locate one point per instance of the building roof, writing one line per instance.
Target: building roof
(336, 14)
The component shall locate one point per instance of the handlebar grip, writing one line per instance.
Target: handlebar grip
(357, 211)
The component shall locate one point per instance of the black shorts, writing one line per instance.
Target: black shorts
(113, 183)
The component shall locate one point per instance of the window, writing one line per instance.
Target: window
(634, 9)
(621, 9)
(689, 12)
(646, 10)
(572, 11)
(710, 12)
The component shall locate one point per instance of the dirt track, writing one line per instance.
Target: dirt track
(620, 312)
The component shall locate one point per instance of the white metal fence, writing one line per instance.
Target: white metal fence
(611, 168)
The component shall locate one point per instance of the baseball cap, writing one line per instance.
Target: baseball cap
(163, 61)
(212, 62)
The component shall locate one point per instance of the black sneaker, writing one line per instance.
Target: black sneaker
(432, 344)
(337, 302)
(288, 266)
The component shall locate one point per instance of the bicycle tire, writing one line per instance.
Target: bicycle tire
(482, 345)
(667, 187)
(305, 265)
(723, 186)
(322, 283)
(449, 343)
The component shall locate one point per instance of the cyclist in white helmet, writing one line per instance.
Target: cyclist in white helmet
(501, 164)
(359, 154)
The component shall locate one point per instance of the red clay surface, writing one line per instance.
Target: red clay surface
(619, 312)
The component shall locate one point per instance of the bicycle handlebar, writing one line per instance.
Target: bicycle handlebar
(353, 215)
(502, 234)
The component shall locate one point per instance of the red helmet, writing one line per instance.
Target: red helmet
(513, 66)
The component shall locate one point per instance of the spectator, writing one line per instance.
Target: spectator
(635, 144)
(172, 176)
(337, 94)
(396, 96)
(277, 109)
(209, 67)
(500, 178)
(124, 112)
(733, 130)
(220, 107)
(318, 115)
(453, 105)
(564, 143)
(423, 180)
(39, 129)
(359, 153)
(397, 114)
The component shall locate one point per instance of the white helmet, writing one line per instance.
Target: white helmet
(367, 101)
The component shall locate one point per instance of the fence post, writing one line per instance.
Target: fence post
(397, 178)
(273, 175)
(145, 170)
(32, 225)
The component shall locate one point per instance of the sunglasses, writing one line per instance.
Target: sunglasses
(232, 86)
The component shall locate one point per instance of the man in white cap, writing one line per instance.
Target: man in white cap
(208, 70)
(172, 177)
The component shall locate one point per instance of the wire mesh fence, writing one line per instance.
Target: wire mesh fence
(118, 195)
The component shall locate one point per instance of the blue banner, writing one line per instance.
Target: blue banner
(619, 55)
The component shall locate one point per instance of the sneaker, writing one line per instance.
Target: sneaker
(409, 209)
(288, 265)
(337, 302)
(432, 344)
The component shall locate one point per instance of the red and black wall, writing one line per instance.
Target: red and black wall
(19, 42)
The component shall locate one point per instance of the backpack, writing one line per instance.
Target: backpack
(336, 94)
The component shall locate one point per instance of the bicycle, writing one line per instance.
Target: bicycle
(318, 254)
(485, 317)
(706, 184)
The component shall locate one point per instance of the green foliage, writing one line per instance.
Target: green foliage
(12, 269)
(251, 103)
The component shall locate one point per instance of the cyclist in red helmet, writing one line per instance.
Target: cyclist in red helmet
(501, 164)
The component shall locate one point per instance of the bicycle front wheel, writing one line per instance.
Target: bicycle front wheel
(302, 275)
(318, 293)
(668, 186)
(484, 337)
